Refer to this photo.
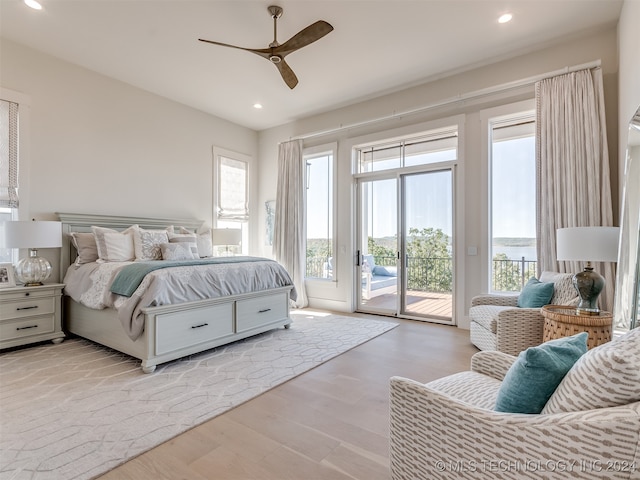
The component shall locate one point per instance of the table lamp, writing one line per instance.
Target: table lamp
(226, 237)
(590, 244)
(32, 270)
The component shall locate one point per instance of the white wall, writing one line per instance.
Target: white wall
(596, 45)
(97, 145)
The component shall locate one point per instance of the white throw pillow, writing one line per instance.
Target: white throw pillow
(605, 376)
(114, 246)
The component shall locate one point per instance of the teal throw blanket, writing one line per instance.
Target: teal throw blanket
(129, 278)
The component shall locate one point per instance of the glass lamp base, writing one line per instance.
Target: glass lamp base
(33, 270)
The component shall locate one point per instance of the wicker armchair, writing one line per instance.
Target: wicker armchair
(498, 324)
(447, 429)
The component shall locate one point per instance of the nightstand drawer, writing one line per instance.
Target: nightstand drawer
(13, 329)
(27, 308)
(25, 293)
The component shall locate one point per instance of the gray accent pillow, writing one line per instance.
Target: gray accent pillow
(203, 239)
(177, 251)
(189, 239)
(85, 245)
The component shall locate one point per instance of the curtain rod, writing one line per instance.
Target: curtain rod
(505, 87)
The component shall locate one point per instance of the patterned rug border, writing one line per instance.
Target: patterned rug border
(66, 393)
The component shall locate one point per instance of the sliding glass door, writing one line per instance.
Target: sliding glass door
(377, 259)
(408, 275)
(426, 214)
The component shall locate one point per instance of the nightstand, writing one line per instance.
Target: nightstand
(30, 314)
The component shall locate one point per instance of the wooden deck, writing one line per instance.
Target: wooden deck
(427, 304)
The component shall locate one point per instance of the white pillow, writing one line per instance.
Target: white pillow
(177, 251)
(147, 242)
(203, 239)
(114, 246)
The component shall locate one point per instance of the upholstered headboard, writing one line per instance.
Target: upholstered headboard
(80, 222)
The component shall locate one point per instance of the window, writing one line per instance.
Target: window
(8, 168)
(513, 201)
(231, 171)
(437, 146)
(319, 191)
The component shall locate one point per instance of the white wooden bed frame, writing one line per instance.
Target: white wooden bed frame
(170, 331)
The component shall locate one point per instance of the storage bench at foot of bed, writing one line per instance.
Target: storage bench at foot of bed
(174, 331)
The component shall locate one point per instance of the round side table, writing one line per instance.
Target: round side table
(563, 321)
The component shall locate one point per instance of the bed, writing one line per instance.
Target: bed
(165, 329)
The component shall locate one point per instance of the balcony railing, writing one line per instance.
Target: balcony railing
(430, 274)
(512, 275)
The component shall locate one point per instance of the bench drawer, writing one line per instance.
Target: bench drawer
(191, 327)
(259, 311)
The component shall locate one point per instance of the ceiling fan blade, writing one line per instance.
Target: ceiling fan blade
(304, 37)
(287, 74)
(263, 52)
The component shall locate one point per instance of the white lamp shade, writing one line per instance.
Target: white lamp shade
(226, 236)
(593, 244)
(40, 234)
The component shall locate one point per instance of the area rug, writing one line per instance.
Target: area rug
(76, 410)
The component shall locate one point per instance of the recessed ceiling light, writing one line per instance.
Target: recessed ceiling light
(505, 18)
(33, 4)
(257, 106)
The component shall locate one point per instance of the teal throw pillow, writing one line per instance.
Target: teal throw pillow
(537, 372)
(535, 294)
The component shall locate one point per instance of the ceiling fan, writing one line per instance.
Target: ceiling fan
(276, 51)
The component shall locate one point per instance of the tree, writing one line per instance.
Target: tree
(379, 252)
(429, 264)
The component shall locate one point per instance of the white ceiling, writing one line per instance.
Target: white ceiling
(377, 47)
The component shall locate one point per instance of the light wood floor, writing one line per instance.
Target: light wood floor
(330, 423)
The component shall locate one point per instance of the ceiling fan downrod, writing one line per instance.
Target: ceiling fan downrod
(276, 13)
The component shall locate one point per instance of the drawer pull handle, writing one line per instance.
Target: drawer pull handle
(264, 310)
(201, 325)
(27, 308)
(26, 328)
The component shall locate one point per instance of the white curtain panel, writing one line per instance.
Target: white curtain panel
(572, 162)
(288, 229)
(8, 154)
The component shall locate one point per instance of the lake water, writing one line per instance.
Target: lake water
(516, 253)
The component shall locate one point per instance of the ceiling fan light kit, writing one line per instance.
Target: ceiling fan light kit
(276, 52)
